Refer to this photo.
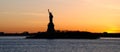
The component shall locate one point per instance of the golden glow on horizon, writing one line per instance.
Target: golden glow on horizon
(113, 29)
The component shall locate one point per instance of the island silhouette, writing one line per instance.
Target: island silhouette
(51, 33)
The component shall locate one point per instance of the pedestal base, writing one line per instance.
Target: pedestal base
(50, 27)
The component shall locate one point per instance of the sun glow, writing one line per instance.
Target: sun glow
(112, 30)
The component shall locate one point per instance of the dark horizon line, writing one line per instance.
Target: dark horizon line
(55, 31)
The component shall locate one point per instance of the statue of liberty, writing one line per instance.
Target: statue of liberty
(50, 25)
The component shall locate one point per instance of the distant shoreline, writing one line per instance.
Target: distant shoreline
(64, 35)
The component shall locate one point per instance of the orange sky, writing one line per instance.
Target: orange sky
(82, 15)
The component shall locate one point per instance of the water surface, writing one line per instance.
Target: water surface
(20, 44)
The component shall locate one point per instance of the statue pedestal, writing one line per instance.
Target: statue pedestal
(50, 27)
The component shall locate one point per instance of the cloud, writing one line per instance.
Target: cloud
(31, 13)
(23, 13)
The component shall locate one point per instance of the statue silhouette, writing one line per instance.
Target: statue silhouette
(50, 25)
(50, 16)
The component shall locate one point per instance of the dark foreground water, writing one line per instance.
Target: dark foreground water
(19, 44)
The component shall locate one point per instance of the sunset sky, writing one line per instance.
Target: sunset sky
(74, 15)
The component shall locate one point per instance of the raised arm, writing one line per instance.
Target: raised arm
(50, 14)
